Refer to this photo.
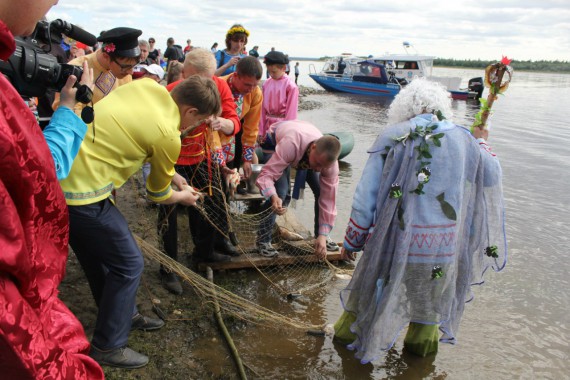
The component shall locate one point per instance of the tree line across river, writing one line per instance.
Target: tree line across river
(550, 66)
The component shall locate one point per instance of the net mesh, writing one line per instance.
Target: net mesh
(294, 271)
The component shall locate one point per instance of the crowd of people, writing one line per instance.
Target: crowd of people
(57, 189)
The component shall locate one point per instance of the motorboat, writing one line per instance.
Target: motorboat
(385, 75)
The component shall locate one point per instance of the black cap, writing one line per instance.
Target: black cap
(122, 41)
(275, 58)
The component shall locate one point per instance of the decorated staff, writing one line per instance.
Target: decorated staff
(498, 84)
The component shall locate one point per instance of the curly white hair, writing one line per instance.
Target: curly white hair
(419, 97)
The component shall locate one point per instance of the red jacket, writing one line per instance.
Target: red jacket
(201, 139)
(39, 337)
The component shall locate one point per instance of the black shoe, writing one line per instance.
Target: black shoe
(122, 357)
(225, 247)
(170, 282)
(241, 190)
(213, 258)
(143, 323)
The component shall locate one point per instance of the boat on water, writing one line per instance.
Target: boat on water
(386, 75)
(346, 142)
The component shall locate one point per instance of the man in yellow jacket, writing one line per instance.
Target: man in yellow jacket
(139, 122)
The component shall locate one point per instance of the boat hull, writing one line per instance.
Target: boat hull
(346, 142)
(346, 84)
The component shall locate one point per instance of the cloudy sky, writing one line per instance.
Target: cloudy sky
(460, 29)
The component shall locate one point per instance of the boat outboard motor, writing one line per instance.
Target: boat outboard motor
(476, 85)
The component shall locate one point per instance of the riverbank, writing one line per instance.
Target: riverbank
(188, 318)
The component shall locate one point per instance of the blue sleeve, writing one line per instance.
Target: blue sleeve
(64, 135)
(361, 222)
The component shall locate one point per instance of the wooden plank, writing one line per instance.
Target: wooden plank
(255, 260)
(247, 197)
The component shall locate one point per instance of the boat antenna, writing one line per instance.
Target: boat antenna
(407, 46)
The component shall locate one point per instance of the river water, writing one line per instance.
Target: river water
(518, 325)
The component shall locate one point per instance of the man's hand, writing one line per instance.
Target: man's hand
(347, 255)
(247, 169)
(67, 97)
(277, 205)
(221, 124)
(190, 196)
(479, 133)
(179, 181)
(321, 247)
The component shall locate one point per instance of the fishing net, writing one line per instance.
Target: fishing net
(293, 272)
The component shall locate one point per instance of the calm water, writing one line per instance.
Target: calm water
(518, 326)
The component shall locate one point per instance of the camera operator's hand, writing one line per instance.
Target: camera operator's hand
(68, 91)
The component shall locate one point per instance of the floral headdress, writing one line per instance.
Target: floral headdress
(237, 29)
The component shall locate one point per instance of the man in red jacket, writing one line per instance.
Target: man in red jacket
(39, 337)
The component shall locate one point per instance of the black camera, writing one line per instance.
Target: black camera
(32, 70)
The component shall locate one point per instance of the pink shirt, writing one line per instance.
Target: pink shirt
(280, 102)
(292, 139)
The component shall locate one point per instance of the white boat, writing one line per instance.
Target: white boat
(385, 75)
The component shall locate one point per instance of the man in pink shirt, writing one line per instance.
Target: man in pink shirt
(301, 145)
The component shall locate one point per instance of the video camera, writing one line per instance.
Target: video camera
(32, 70)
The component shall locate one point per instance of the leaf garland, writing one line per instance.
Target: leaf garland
(427, 138)
(447, 208)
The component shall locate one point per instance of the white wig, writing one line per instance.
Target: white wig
(419, 97)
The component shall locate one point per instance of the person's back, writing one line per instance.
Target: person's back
(116, 145)
(437, 189)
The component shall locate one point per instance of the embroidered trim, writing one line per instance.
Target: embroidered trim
(89, 194)
(161, 194)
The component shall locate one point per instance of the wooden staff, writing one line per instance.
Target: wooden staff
(494, 75)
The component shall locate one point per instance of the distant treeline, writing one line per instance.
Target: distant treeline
(557, 66)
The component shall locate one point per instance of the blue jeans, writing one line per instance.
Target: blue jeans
(282, 187)
(113, 265)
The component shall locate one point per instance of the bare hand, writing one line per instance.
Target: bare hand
(260, 139)
(479, 133)
(233, 61)
(214, 123)
(277, 205)
(191, 196)
(345, 254)
(67, 97)
(247, 169)
(321, 247)
(179, 181)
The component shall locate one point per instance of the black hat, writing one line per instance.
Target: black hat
(122, 41)
(275, 58)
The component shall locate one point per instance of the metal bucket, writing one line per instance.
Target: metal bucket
(250, 182)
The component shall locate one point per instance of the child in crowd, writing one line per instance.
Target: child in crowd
(280, 94)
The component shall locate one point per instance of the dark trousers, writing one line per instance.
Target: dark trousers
(113, 264)
(203, 233)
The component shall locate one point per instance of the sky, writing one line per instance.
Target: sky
(460, 29)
